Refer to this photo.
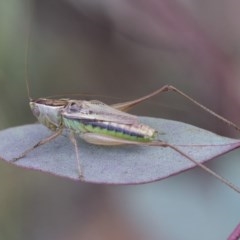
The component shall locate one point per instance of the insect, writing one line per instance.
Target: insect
(100, 124)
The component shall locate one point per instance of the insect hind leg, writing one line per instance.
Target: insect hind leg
(222, 179)
(172, 88)
(126, 106)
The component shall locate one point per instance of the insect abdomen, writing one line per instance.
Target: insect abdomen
(134, 132)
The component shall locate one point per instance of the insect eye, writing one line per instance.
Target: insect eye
(74, 107)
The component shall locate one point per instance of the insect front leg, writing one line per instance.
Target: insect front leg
(126, 106)
(42, 142)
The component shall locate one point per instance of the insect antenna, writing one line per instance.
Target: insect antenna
(79, 95)
(27, 50)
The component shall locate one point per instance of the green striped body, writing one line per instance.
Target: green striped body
(95, 117)
(136, 132)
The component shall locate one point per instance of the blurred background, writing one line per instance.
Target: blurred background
(123, 49)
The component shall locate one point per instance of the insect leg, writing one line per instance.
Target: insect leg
(126, 106)
(42, 142)
(99, 139)
(167, 88)
(171, 88)
(222, 179)
(74, 141)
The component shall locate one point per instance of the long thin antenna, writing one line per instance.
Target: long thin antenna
(27, 50)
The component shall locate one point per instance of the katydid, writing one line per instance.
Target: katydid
(101, 124)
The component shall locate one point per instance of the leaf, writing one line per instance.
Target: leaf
(118, 164)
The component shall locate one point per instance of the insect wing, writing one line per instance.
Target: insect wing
(96, 110)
